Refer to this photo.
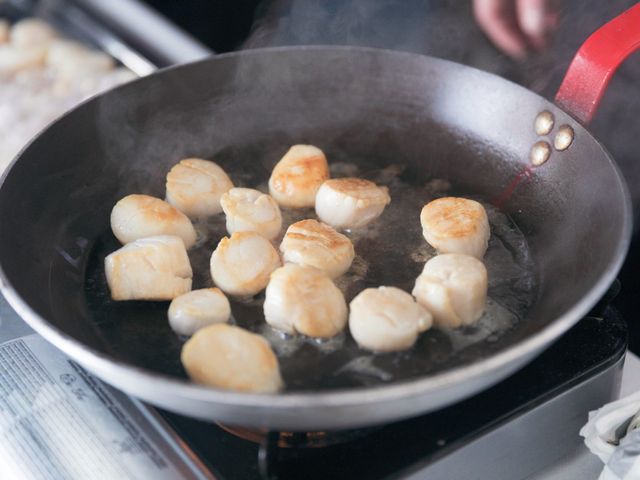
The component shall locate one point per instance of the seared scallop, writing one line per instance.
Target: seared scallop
(153, 268)
(140, 216)
(197, 309)
(296, 178)
(304, 300)
(195, 186)
(249, 210)
(350, 202)
(387, 319)
(14, 60)
(456, 225)
(231, 358)
(453, 287)
(241, 265)
(309, 242)
(31, 32)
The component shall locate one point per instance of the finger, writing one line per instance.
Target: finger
(497, 18)
(537, 18)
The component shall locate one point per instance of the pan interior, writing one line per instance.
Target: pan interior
(403, 120)
(390, 251)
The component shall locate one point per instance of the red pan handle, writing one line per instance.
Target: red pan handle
(596, 62)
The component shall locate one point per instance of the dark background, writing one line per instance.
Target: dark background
(221, 25)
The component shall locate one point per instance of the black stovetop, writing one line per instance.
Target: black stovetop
(595, 343)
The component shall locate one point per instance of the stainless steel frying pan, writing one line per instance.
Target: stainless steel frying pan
(369, 107)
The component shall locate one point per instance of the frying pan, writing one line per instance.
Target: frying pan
(373, 107)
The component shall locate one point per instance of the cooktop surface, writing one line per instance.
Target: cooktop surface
(595, 345)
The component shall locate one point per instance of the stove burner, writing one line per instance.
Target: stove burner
(580, 371)
(271, 443)
(296, 439)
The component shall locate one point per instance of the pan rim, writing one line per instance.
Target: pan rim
(96, 361)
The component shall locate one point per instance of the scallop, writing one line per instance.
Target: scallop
(4, 31)
(312, 243)
(350, 202)
(195, 186)
(230, 358)
(249, 210)
(73, 61)
(31, 32)
(15, 60)
(456, 225)
(139, 216)
(453, 287)
(153, 268)
(296, 178)
(387, 319)
(304, 300)
(241, 265)
(194, 310)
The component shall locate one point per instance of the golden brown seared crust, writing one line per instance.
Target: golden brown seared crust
(313, 231)
(360, 189)
(231, 358)
(298, 285)
(154, 209)
(303, 173)
(236, 271)
(312, 243)
(298, 175)
(453, 217)
(226, 242)
(316, 306)
(255, 283)
(138, 216)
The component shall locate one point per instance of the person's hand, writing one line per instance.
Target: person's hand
(517, 26)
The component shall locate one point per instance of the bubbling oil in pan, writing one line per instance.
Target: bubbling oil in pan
(390, 251)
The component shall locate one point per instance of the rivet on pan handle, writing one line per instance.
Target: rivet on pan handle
(596, 62)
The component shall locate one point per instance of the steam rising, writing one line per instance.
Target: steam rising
(446, 29)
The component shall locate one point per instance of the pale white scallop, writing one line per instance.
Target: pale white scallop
(152, 268)
(14, 60)
(453, 287)
(72, 61)
(387, 319)
(304, 300)
(194, 310)
(230, 358)
(241, 265)
(138, 216)
(249, 210)
(312, 243)
(350, 202)
(195, 186)
(31, 32)
(456, 225)
(296, 178)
